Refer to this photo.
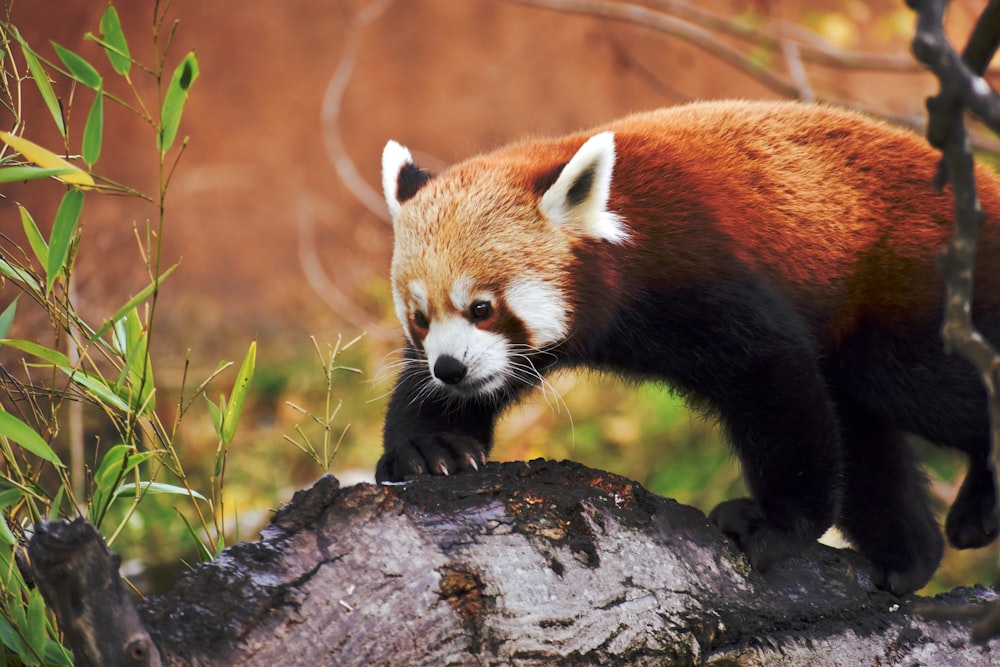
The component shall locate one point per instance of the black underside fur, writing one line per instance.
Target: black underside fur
(818, 428)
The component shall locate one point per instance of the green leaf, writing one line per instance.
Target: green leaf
(93, 131)
(46, 159)
(78, 68)
(48, 354)
(110, 467)
(231, 418)
(24, 435)
(35, 627)
(138, 369)
(42, 81)
(28, 173)
(8, 498)
(114, 465)
(57, 501)
(158, 488)
(216, 414)
(173, 103)
(7, 317)
(57, 655)
(6, 537)
(12, 640)
(115, 46)
(132, 303)
(35, 238)
(203, 551)
(19, 274)
(67, 217)
(11, 496)
(98, 388)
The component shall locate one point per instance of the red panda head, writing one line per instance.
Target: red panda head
(483, 261)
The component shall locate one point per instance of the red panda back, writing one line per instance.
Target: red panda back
(836, 209)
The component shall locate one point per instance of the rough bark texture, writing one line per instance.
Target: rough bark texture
(78, 577)
(536, 563)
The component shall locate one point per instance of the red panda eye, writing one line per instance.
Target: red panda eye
(480, 311)
(420, 320)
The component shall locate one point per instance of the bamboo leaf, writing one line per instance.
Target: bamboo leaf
(115, 46)
(138, 369)
(63, 229)
(19, 274)
(7, 317)
(157, 488)
(35, 628)
(173, 103)
(98, 388)
(12, 640)
(115, 464)
(43, 157)
(216, 414)
(35, 238)
(28, 173)
(108, 470)
(54, 357)
(203, 551)
(57, 501)
(42, 82)
(6, 537)
(231, 418)
(93, 131)
(16, 430)
(141, 296)
(78, 68)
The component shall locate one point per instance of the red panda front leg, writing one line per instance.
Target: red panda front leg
(739, 346)
(429, 432)
(783, 430)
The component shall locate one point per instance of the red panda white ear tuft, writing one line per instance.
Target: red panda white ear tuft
(400, 177)
(579, 196)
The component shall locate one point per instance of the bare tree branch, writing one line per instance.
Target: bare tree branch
(963, 87)
(630, 13)
(330, 114)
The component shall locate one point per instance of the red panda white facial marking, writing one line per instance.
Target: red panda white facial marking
(474, 263)
(541, 308)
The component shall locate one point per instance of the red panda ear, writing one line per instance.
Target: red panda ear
(401, 179)
(579, 196)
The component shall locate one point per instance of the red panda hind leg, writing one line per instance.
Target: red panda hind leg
(886, 511)
(972, 520)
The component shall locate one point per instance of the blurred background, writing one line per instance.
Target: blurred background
(276, 216)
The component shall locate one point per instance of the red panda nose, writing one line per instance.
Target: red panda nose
(449, 369)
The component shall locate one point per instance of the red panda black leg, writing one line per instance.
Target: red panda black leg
(886, 511)
(780, 422)
(426, 432)
(792, 460)
(972, 520)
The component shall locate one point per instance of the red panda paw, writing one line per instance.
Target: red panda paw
(763, 543)
(972, 520)
(430, 454)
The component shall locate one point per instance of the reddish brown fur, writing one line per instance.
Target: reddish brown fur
(707, 182)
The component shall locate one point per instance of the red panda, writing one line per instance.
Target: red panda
(772, 261)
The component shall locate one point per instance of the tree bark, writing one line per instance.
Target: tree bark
(536, 563)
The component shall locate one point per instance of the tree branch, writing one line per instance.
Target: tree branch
(963, 87)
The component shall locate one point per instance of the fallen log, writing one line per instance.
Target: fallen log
(536, 563)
